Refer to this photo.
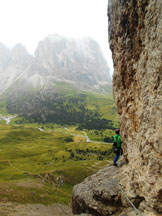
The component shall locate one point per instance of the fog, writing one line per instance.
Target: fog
(30, 21)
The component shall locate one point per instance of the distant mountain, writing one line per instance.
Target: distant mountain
(4, 56)
(14, 66)
(57, 59)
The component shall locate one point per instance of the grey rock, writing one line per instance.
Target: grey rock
(99, 195)
(135, 35)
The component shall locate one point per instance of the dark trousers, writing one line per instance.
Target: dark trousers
(116, 158)
(117, 154)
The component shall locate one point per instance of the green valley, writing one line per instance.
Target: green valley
(43, 167)
(51, 140)
(86, 110)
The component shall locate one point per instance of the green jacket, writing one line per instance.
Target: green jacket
(117, 139)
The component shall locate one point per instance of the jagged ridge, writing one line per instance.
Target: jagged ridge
(79, 62)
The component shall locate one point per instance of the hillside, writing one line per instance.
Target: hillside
(41, 167)
(65, 82)
(57, 119)
(85, 110)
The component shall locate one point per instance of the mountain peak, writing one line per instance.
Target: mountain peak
(57, 59)
(4, 55)
(19, 50)
(19, 54)
(75, 60)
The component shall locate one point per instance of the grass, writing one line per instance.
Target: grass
(30, 156)
(33, 163)
(3, 110)
(99, 135)
(104, 104)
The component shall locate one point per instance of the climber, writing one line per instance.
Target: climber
(117, 146)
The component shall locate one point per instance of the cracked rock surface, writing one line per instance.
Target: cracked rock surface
(135, 36)
(99, 194)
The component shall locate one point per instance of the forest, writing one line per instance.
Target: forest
(46, 106)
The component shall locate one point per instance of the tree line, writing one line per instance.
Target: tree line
(46, 106)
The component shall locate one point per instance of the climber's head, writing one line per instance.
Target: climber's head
(117, 131)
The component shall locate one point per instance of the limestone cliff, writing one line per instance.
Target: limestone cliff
(135, 35)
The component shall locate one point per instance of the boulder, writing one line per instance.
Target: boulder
(98, 194)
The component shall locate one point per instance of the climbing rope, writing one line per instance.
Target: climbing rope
(136, 210)
(134, 207)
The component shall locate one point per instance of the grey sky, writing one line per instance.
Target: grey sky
(29, 21)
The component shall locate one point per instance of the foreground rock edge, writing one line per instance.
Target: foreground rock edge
(98, 194)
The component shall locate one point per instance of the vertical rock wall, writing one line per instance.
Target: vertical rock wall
(135, 36)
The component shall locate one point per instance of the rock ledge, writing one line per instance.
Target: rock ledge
(98, 194)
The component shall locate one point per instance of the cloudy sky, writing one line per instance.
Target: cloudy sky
(29, 21)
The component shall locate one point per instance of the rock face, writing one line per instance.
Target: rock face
(80, 61)
(56, 59)
(99, 194)
(135, 35)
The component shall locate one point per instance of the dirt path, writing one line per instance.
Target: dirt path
(12, 209)
(7, 119)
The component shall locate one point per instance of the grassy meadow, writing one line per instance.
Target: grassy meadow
(43, 166)
(104, 104)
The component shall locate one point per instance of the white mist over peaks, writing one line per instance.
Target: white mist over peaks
(30, 21)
